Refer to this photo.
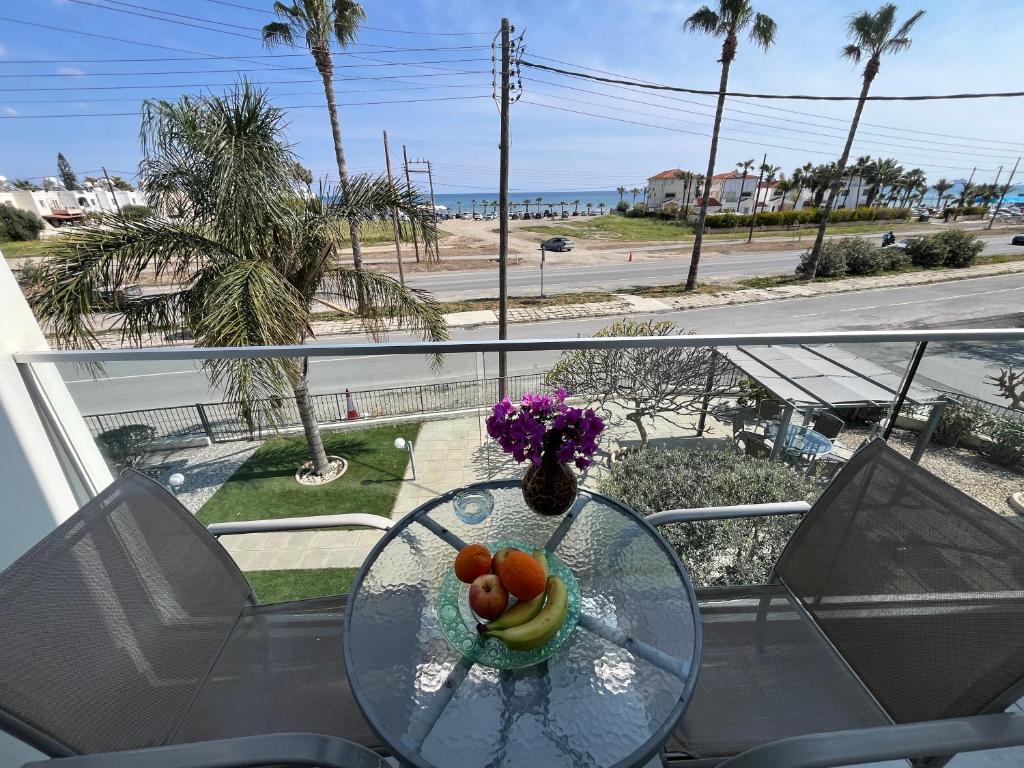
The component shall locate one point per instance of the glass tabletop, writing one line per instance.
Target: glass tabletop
(610, 695)
(802, 439)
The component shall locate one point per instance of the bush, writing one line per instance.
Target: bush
(957, 422)
(862, 258)
(894, 259)
(622, 206)
(136, 212)
(831, 260)
(962, 248)
(926, 251)
(726, 220)
(1007, 446)
(125, 445)
(16, 224)
(715, 552)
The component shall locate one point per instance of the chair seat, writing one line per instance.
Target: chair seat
(281, 670)
(766, 673)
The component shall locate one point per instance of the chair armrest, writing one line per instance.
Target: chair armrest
(727, 513)
(276, 749)
(937, 738)
(350, 520)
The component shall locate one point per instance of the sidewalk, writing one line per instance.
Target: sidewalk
(626, 303)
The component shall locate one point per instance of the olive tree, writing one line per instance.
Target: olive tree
(647, 383)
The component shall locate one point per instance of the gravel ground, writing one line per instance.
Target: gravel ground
(205, 469)
(963, 468)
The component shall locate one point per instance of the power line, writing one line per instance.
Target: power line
(742, 95)
(235, 69)
(211, 57)
(303, 106)
(168, 21)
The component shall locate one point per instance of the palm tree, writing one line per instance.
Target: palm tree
(315, 22)
(769, 172)
(526, 205)
(473, 201)
(576, 209)
(634, 191)
(881, 174)
(859, 169)
(872, 36)
(538, 201)
(562, 204)
(942, 186)
(785, 187)
(600, 208)
(589, 206)
(731, 18)
(622, 193)
(912, 182)
(249, 256)
(745, 166)
(459, 203)
(802, 177)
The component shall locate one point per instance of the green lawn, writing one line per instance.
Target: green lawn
(19, 249)
(264, 487)
(280, 586)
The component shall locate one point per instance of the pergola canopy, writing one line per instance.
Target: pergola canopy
(824, 376)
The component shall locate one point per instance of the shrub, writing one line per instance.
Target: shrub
(957, 422)
(862, 258)
(725, 220)
(1007, 446)
(622, 206)
(715, 552)
(16, 224)
(831, 260)
(136, 212)
(125, 445)
(926, 251)
(30, 272)
(962, 248)
(894, 259)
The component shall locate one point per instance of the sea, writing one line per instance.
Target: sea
(595, 197)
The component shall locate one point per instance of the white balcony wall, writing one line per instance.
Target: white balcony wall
(47, 470)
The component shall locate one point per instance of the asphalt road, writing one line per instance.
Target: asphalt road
(525, 281)
(163, 383)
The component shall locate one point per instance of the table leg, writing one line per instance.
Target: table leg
(424, 720)
(649, 653)
(568, 520)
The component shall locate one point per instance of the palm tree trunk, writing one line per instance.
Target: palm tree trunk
(326, 69)
(812, 262)
(310, 428)
(698, 235)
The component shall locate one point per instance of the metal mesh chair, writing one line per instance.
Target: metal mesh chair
(828, 425)
(129, 626)
(899, 599)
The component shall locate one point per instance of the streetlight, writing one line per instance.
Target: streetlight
(176, 481)
(406, 445)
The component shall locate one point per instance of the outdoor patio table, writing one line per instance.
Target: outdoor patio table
(609, 697)
(802, 440)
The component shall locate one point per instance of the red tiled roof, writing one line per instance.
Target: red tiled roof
(711, 201)
(669, 174)
(729, 175)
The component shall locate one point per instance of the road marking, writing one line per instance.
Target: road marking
(941, 298)
(809, 314)
(131, 376)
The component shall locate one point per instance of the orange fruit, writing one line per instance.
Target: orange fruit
(522, 575)
(472, 561)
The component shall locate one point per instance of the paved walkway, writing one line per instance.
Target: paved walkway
(625, 303)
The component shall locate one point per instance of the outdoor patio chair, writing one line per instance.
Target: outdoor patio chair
(755, 445)
(769, 410)
(828, 425)
(129, 627)
(898, 600)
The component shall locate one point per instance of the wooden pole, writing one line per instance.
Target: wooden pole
(396, 223)
(112, 191)
(506, 62)
(1002, 195)
(433, 207)
(757, 192)
(408, 184)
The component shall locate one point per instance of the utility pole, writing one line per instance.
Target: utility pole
(110, 189)
(408, 185)
(1002, 195)
(506, 65)
(963, 192)
(757, 192)
(433, 207)
(396, 223)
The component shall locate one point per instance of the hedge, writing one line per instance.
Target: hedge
(730, 219)
(16, 224)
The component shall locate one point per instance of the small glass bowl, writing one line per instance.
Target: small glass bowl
(473, 506)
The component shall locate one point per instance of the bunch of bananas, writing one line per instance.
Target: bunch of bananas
(530, 624)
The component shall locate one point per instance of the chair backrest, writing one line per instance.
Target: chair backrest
(769, 409)
(918, 586)
(109, 625)
(754, 445)
(828, 425)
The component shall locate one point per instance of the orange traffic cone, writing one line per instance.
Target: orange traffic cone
(630, 259)
(350, 406)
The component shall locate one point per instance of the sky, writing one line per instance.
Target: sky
(432, 60)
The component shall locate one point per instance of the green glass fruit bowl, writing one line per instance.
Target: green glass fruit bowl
(458, 621)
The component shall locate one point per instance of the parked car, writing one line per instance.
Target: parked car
(565, 214)
(108, 298)
(537, 216)
(1017, 240)
(557, 244)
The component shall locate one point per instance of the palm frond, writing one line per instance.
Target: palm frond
(369, 197)
(904, 30)
(703, 20)
(277, 33)
(762, 33)
(852, 52)
(348, 15)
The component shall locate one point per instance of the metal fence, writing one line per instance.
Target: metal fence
(985, 405)
(223, 421)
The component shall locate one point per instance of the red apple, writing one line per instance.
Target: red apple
(487, 597)
(499, 558)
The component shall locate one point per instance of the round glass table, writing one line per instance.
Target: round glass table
(609, 697)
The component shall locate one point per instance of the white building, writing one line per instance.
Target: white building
(854, 193)
(667, 191)
(59, 207)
